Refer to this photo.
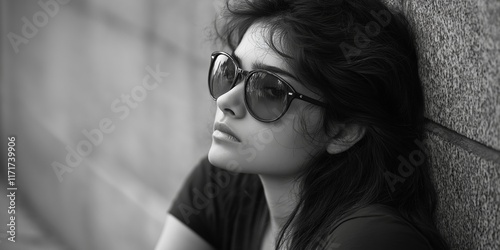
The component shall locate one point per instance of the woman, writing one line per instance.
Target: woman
(317, 135)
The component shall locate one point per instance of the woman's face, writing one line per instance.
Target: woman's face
(278, 148)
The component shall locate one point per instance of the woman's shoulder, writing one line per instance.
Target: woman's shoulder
(376, 227)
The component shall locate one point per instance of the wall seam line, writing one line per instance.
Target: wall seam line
(474, 147)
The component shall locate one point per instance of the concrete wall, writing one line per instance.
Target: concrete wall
(459, 51)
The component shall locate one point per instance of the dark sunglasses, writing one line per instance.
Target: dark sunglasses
(267, 95)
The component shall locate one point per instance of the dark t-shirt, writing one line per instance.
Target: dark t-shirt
(229, 211)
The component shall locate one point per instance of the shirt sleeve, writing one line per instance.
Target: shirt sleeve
(193, 207)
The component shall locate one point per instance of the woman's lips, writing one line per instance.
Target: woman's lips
(224, 136)
(222, 131)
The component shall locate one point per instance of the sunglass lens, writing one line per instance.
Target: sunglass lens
(222, 75)
(266, 96)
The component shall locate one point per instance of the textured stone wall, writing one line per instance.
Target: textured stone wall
(459, 53)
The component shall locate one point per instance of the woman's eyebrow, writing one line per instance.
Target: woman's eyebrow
(259, 65)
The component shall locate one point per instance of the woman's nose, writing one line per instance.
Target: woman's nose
(232, 102)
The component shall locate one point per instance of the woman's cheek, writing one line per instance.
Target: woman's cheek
(281, 151)
(278, 148)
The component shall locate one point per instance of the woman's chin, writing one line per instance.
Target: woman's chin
(224, 158)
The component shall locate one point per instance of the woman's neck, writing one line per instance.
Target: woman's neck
(281, 196)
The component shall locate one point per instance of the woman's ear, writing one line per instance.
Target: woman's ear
(347, 135)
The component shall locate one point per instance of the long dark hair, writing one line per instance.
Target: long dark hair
(360, 55)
